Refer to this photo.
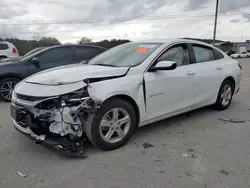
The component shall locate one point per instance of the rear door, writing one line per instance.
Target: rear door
(85, 53)
(52, 58)
(209, 69)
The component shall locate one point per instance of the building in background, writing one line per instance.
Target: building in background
(241, 47)
(225, 46)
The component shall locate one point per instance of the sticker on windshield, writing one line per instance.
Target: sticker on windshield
(146, 46)
(141, 50)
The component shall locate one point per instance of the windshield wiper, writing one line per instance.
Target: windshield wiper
(107, 65)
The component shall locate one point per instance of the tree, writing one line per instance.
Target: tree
(49, 41)
(84, 40)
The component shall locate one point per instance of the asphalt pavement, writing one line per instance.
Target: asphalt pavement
(201, 149)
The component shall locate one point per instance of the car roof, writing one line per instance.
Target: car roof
(76, 45)
(5, 42)
(174, 40)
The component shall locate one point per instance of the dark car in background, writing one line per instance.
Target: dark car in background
(14, 71)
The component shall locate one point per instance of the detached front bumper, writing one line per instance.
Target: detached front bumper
(64, 146)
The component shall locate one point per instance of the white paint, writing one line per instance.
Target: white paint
(168, 92)
(8, 52)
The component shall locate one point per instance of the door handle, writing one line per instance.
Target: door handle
(218, 67)
(190, 73)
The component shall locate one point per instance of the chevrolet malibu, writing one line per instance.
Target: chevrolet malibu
(126, 87)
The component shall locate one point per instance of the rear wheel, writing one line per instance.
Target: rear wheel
(225, 95)
(112, 126)
(6, 87)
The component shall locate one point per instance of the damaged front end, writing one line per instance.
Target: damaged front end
(55, 121)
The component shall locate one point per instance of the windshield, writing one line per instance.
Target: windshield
(33, 51)
(125, 55)
(26, 57)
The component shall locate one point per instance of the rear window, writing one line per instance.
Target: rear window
(85, 53)
(203, 53)
(3, 46)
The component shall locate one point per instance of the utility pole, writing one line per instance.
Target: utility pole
(241, 36)
(215, 21)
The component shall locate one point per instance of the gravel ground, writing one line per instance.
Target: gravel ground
(193, 150)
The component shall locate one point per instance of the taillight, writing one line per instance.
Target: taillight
(14, 51)
(240, 65)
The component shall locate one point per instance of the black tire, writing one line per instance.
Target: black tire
(94, 121)
(219, 104)
(3, 82)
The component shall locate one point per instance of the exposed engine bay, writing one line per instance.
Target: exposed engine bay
(58, 120)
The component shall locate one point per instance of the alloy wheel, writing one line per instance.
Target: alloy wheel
(7, 89)
(115, 125)
(226, 95)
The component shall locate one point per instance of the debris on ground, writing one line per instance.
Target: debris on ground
(232, 120)
(190, 175)
(224, 172)
(204, 129)
(183, 134)
(143, 151)
(156, 159)
(194, 156)
(185, 155)
(178, 125)
(147, 145)
(191, 150)
(161, 171)
(163, 144)
(1, 126)
(21, 174)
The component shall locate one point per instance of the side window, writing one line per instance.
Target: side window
(218, 55)
(203, 53)
(3, 46)
(85, 53)
(178, 53)
(57, 55)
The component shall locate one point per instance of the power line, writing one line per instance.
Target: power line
(86, 21)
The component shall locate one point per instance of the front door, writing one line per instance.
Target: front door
(171, 91)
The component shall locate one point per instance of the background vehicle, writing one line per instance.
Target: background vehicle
(13, 72)
(130, 85)
(242, 55)
(20, 57)
(7, 50)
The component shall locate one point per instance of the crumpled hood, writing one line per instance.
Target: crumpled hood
(74, 73)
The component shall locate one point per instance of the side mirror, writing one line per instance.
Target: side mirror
(36, 62)
(163, 65)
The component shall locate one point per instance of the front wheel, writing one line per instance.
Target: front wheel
(6, 87)
(225, 95)
(112, 126)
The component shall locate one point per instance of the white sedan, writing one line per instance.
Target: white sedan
(126, 87)
(242, 55)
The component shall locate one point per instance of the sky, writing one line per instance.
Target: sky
(69, 20)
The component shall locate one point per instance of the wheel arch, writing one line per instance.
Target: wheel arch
(131, 101)
(10, 75)
(231, 79)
